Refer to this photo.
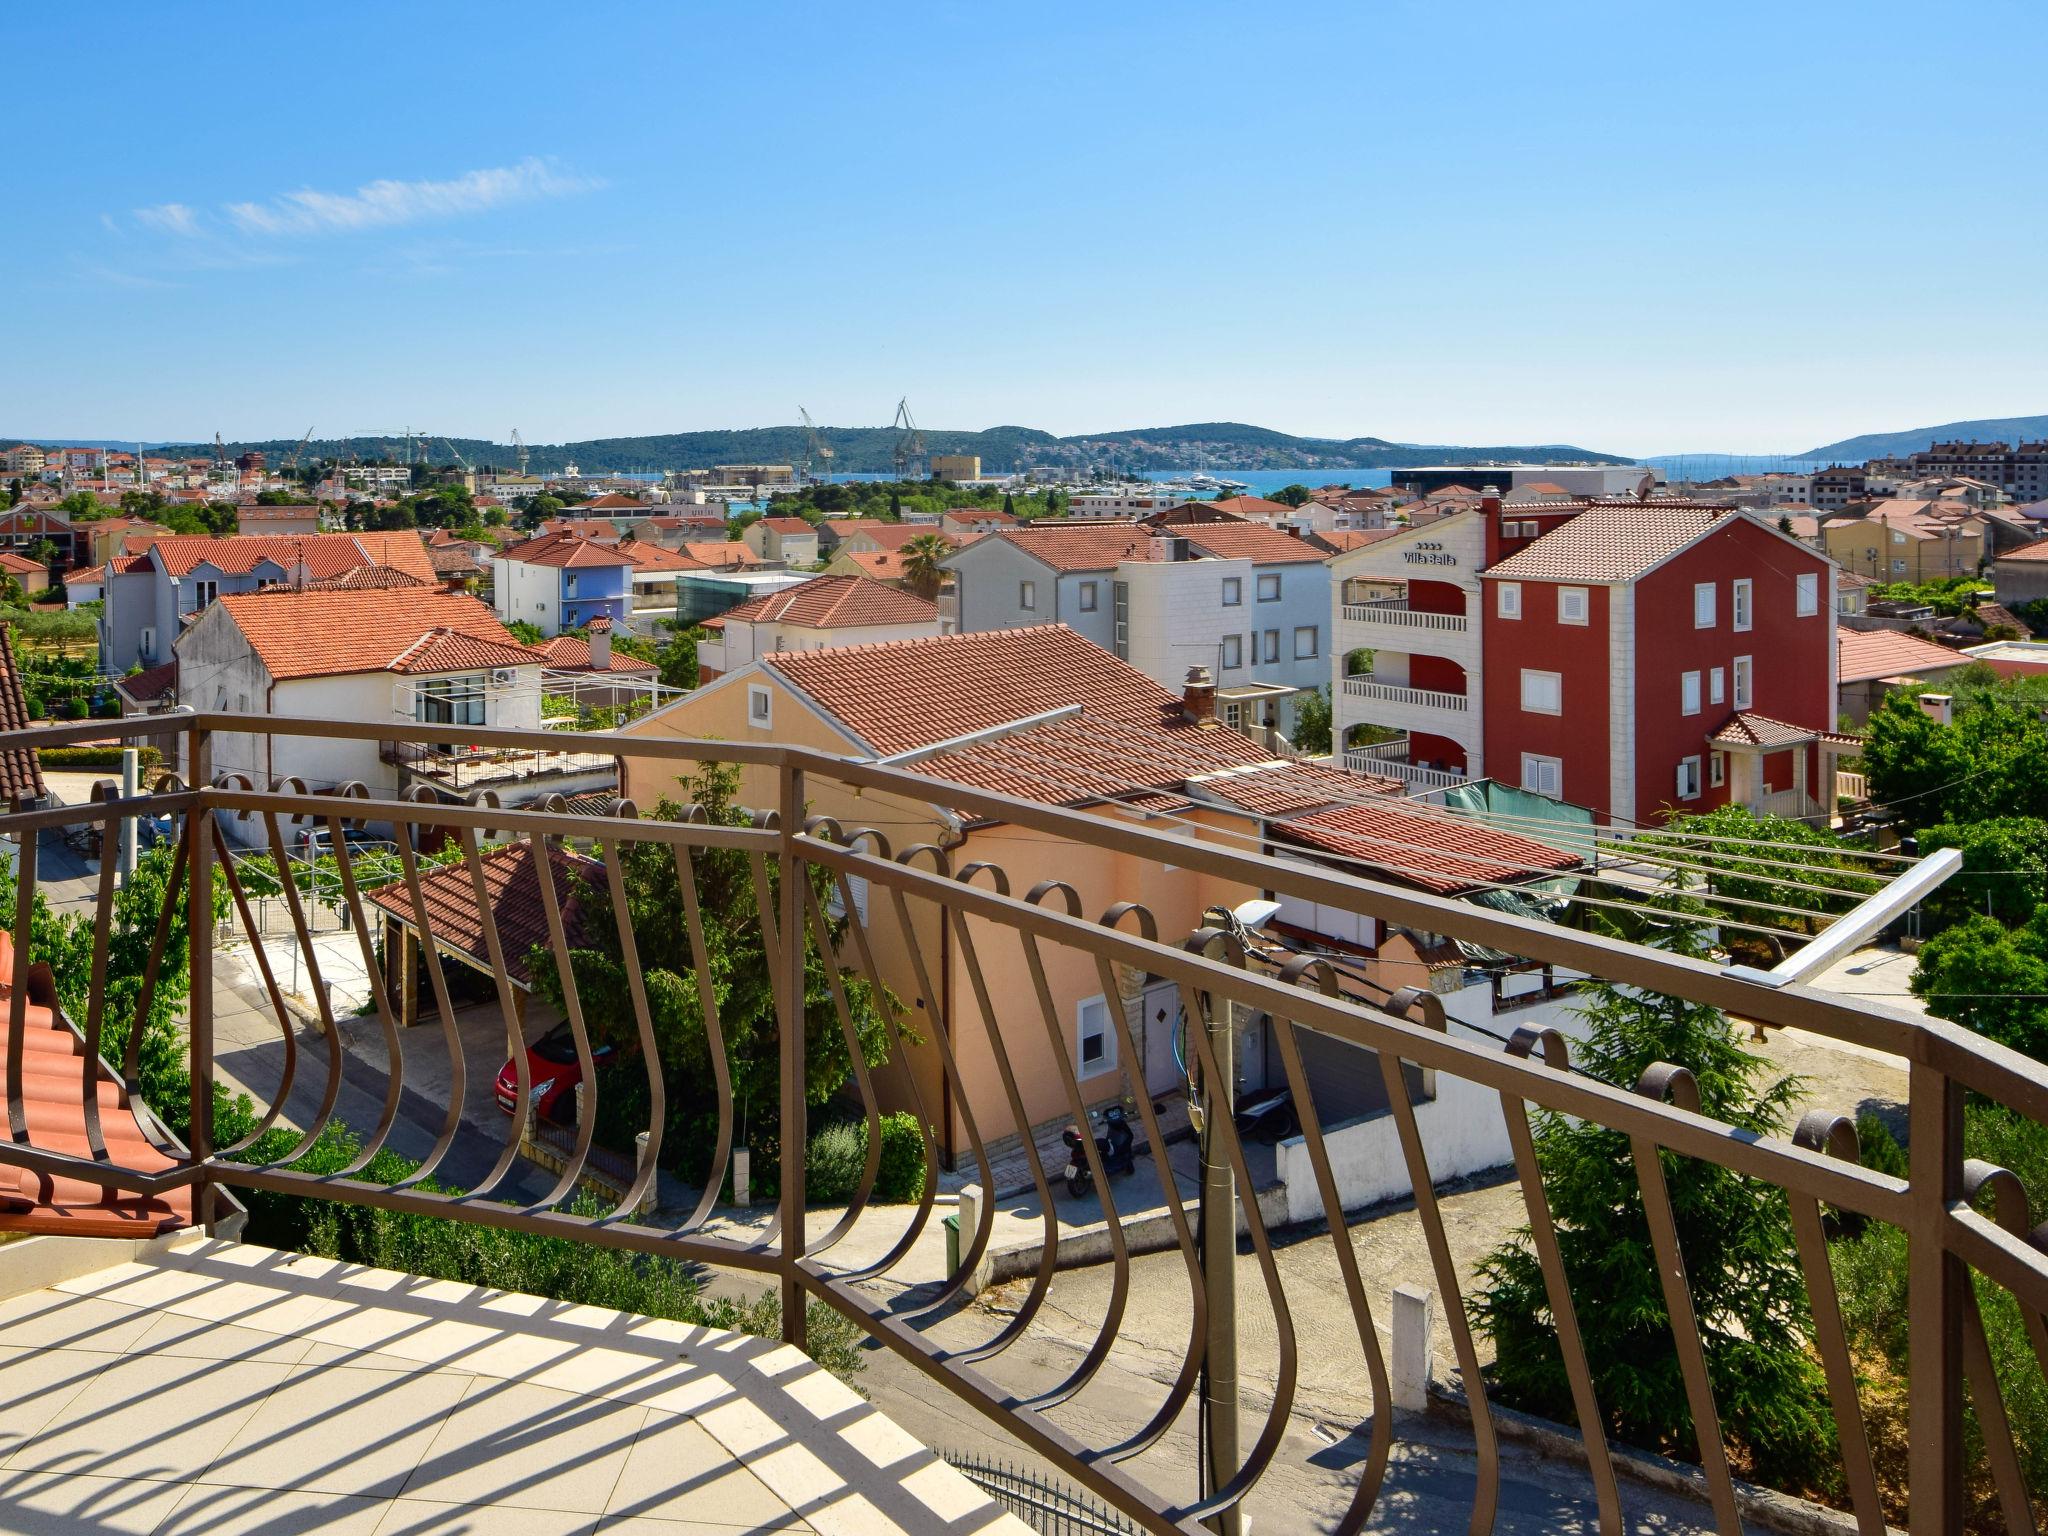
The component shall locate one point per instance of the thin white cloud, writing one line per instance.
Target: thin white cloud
(169, 219)
(381, 204)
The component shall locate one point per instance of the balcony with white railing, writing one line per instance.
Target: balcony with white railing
(1390, 760)
(1365, 687)
(1395, 611)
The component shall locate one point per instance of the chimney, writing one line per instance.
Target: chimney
(600, 630)
(1489, 500)
(1939, 707)
(1198, 696)
(1168, 546)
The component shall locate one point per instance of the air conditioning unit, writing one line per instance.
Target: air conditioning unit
(504, 677)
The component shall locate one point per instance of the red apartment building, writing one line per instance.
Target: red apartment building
(1634, 657)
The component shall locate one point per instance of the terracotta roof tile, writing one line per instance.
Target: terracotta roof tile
(1079, 546)
(1748, 729)
(324, 555)
(728, 552)
(1613, 541)
(449, 894)
(21, 771)
(836, 602)
(152, 683)
(566, 551)
(337, 634)
(1433, 852)
(1250, 541)
(571, 653)
(2037, 551)
(1869, 654)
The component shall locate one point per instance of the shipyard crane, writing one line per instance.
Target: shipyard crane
(460, 462)
(220, 450)
(291, 460)
(519, 449)
(909, 450)
(815, 446)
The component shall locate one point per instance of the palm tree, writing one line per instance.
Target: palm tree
(922, 572)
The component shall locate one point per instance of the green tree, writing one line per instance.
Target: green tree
(1993, 761)
(895, 507)
(1009, 505)
(525, 633)
(1991, 979)
(1291, 495)
(923, 572)
(1312, 722)
(1738, 874)
(1736, 1235)
(81, 506)
(678, 658)
(2004, 873)
(738, 963)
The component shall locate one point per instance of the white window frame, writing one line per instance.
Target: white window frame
(1269, 587)
(1745, 683)
(1106, 1061)
(1089, 596)
(203, 593)
(1574, 605)
(1314, 647)
(1717, 769)
(1232, 656)
(1536, 768)
(760, 706)
(1270, 649)
(835, 906)
(1704, 615)
(1806, 589)
(1027, 596)
(1689, 773)
(1556, 691)
(1717, 685)
(1742, 604)
(1509, 602)
(1688, 693)
(1233, 591)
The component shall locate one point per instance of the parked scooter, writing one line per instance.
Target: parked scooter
(1114, 1147)
(1268, 1118)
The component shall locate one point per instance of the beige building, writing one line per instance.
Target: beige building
(789, 539)
(956, 466)
(1907, 541)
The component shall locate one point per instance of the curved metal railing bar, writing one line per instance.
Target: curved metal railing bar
(648, 1163)
(1526, 1044)
(1981, 1371)
(287, 1036)
(1486, 1442)
(871, 1162)
(1182, 1388)
(856, 929)
(380, 997)
(714, 1033)
(1206, 943)
(1091, 1153)
(572, 1010)
(1298, 972)
(1661, 1081)
(1821, 1131)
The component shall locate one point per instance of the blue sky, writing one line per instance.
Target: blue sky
(1640, 227)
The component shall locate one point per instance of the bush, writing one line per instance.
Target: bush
(96, 757)
(838, 1153)
(2004, 873)
(833, 1163)
(901, 1177)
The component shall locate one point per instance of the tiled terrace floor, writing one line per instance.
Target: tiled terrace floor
(218, 1388)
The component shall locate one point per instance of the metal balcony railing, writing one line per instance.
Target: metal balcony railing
(1389, 693)
(913, 904)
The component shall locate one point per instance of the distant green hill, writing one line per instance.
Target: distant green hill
(1891, 445)
(856, 450)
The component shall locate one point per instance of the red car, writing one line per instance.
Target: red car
(552, 1074)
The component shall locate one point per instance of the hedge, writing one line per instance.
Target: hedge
(95, 757)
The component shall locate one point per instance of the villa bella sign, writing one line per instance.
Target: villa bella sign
(1428, 553)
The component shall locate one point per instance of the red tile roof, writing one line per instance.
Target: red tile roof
(836, 602)
(877, 564)
(1253, 506)
(1866, 655)
(613, 500)
(85, 573)
(451, 650)
(656, 557)
(324, 555)
(1748, 729)
(730, 552)
(895, 535)
(1079, 546)
(903, 694)
(369, 578)
(2037, 551)
(1250, 541)
(21, 771)
(1435, 852)
(337, 634)
(566, 551)
(510, 880)
(150, 684)
(571, 653)
(21, 565)
(1614, 541)
(787, 525)
(1344, 540)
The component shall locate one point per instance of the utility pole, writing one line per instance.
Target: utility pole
(1219, 1266)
